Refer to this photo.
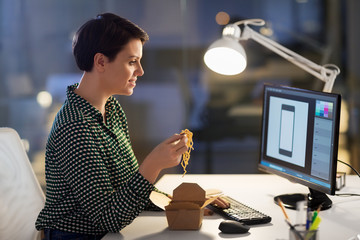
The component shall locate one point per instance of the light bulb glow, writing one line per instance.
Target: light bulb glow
(226, 56)
(44, 99)
(224, 60)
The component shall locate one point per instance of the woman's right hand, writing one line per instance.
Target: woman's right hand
(167, 154)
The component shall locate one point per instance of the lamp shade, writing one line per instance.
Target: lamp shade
(226, 56)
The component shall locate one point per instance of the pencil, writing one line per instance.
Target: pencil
(319, 208)
(283, 209)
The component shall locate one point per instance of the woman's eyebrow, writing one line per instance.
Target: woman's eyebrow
(134, 56)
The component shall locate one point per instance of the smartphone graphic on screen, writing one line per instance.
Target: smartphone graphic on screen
(287, 118)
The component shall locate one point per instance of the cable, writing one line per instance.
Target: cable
(350, 167)
(347, 194)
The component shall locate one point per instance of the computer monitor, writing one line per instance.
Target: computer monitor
(299, 141)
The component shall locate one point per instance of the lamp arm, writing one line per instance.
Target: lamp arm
(326, 73)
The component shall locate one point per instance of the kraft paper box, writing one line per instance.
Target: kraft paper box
(186, 210)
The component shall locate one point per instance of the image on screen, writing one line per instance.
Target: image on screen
(286, 130)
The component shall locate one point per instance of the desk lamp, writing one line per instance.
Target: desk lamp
(226, 56)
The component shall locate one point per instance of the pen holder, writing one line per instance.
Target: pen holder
(299, 233)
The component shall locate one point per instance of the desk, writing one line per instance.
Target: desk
(342, 221)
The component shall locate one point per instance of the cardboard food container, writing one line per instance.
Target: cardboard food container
(186, 210)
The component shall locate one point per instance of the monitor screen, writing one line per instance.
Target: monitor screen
(299, 137)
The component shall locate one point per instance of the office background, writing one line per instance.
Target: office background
(177, 90)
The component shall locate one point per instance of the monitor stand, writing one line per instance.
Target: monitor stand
(314, 198)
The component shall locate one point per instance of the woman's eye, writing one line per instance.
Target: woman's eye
(132, 62)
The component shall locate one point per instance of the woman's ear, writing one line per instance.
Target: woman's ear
(99, 62)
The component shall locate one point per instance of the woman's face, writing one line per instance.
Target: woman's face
(121, 74)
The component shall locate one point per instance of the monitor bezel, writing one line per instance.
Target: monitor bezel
(311, 185)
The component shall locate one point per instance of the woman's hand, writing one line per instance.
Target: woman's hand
(167, 154)
(221, 203)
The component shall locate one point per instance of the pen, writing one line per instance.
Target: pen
(314, 216)
(308, 219)
(315, 224)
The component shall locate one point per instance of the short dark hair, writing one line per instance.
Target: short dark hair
(106, 34)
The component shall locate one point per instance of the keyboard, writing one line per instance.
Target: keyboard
(240, 212)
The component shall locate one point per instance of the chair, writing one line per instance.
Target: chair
(21, 197)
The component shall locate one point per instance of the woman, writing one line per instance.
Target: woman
(94, 182)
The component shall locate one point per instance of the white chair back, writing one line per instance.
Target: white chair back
(21, 197)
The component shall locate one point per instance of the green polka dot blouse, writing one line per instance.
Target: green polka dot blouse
(92, 181)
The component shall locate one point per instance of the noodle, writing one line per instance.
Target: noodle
(189, 144)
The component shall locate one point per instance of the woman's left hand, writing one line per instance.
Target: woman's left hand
(221, 203)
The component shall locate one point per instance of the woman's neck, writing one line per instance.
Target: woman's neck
(90, 89)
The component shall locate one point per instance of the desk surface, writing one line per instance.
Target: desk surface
(342, 221)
